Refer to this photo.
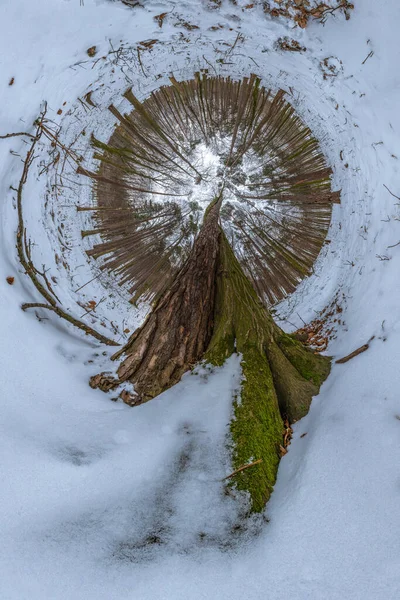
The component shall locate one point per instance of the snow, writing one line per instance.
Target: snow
(85, 482)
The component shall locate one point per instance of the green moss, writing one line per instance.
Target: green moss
(310, 365)
(241, 322)
(256, 430)
(280, 376)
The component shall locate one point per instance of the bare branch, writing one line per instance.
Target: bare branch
(10, 135)
(24, 251)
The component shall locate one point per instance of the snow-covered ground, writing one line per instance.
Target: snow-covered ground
(100, 501)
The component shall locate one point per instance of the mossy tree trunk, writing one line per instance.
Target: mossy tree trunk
(210, 311)
(280, 376)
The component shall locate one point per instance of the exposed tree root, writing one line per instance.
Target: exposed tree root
(280, 376)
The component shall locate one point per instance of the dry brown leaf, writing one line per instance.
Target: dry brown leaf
(282, 451)
(160, 18)
(148, 43)
(91, 51)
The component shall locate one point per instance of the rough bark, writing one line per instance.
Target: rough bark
(178, 330)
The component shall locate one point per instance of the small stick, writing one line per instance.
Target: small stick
(301, 319)
(140, 61)
(239, 35)
(369, 56)
(87, 283)
(355, 353)
(391, 193)
(256, 462)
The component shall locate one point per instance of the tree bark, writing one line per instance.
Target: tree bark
(177, 332)
(211, 311)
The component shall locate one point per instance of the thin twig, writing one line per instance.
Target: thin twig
(92, 309)
(369, 56)
(140, 61)
(304, 323)
(391, 193)
(231, 49)
(210, 64)
(256, 462)
(87, 283)
(330, 11)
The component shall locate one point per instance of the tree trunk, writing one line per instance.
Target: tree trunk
(177, 332)
(212, 310)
